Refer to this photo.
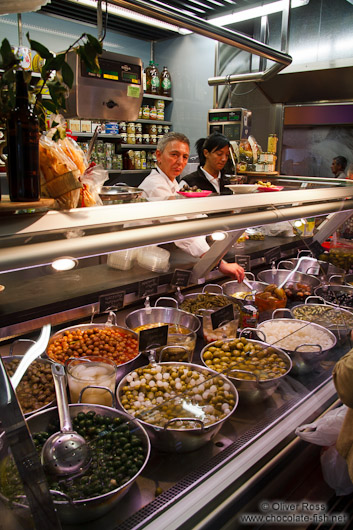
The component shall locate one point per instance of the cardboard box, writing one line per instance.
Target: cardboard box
(74, 125)
(86, 126)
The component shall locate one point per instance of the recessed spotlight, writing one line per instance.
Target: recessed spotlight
(64, 264)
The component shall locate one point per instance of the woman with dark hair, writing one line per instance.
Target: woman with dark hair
(213, 153)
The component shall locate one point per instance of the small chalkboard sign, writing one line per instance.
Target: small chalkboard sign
(181, 278)
(243, 261)
(111, 301)
(272, 255)
(316, 248)
(222, 316)
(153, 337)
(147, 287)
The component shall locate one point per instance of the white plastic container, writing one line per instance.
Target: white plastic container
(122, 259)
(154, 259)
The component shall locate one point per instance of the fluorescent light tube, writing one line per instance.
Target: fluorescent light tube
(132, 15)
(255, 12)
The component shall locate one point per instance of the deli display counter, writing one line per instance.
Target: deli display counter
(190, 489)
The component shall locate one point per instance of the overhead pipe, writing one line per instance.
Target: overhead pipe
(258, 77)
(202, 27)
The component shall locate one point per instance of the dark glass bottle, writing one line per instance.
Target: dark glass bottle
(152, 78)
(23, 147)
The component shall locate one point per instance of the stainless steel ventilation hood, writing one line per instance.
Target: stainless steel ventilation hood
(331, 84)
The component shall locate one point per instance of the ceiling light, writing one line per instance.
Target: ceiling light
(255, 12)
(218, 236)
(64, 264)
(132, 15)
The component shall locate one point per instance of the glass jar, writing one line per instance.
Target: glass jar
(146, 138)
(91, 371)
(131, 138)
(130, 128)
(122, 126)
(146, 112)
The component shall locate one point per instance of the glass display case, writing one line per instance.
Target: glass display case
(191, 488)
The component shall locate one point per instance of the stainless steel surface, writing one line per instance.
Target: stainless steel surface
(206, 29)
(181, 439)
(255, 390)
(106, 98)
(85, 510)
(65, 453)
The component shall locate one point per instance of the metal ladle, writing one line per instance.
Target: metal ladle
(299, 262)
(65, 453)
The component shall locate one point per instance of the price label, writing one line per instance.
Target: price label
(243, 261)
(153, 338)
(222, 316)
(181, 278)
(316, 248)
(111, 301)
(272, 255)
(147, 287)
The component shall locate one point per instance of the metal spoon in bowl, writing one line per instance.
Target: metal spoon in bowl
(65, 453)
(299, 262)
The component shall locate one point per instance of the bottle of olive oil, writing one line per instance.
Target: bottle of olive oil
(152, 78)
(23, 147)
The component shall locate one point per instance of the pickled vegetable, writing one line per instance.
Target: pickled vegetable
(260, 363)
(117, 455)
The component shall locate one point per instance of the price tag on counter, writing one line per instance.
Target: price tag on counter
(153, 338)
(111, 301)
(243, 261)
(181, 278)
(272, 255)
(222, 316)
(316, 248)
(147, 287)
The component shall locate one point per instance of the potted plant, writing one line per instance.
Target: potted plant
(22, 119)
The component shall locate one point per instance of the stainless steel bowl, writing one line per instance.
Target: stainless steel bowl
(278, 276)
(302, 357)
(333, 294)
(79, 511)
(335, 319)
(123, 368)
(254, 390)
(181, 439)
(233, 287)
(164, 315)
(118, 194)
(315, 267)
(50, 403)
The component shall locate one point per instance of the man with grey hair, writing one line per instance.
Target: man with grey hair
(172, 156)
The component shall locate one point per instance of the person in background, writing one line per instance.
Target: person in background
(213, 153)
(172, 154)
(350, 172)
(339, 164)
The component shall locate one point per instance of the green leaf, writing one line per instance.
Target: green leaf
(68, 75)
(39, 48)
(95, 43)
